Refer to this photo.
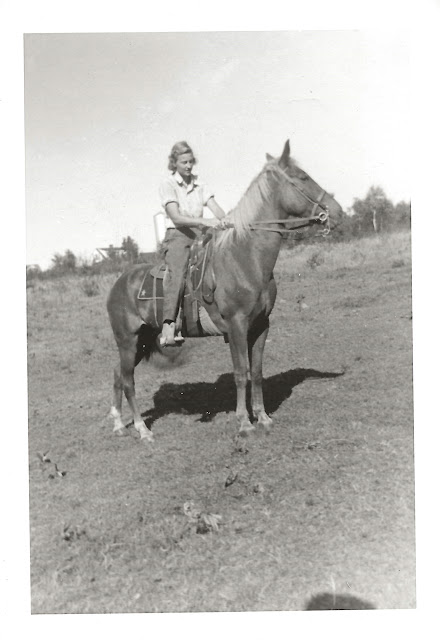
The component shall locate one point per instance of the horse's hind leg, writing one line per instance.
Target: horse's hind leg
(256, 342)
(130, 355)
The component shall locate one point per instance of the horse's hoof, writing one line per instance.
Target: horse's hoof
(265, 424)
(266, 429)
(147, 436)
(246, 430)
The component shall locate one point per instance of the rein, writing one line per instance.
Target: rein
(320, 218)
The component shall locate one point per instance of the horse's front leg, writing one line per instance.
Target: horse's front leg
(256, 341)
(238, 344)
(116, 410)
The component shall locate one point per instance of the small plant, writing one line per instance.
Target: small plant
(204, 522)
(315, 260)
(71, 533)
(300, 302)
(90, 287)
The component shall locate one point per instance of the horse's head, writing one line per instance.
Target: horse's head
(298, 194)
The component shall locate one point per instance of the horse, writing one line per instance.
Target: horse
(243, 260)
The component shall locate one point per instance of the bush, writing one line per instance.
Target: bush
(62, 264)
(90, 287)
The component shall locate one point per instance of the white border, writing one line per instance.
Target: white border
(422, 19)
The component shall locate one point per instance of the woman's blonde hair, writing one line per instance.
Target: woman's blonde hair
(178, 149)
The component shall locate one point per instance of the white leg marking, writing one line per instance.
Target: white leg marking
(145, 433)
(118, 426)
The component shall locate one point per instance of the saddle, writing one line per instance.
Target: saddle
(200, 283)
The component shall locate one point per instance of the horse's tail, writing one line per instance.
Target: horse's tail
(148, 342)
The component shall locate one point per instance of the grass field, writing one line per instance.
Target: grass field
(317, 515)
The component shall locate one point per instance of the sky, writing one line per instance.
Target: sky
(102, 111)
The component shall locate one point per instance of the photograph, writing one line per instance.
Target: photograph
(219, 321)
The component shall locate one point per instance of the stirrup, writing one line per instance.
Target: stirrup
(164, 342)
(167, 342)
(175, 341)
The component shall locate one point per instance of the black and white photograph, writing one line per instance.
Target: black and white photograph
(219, 317)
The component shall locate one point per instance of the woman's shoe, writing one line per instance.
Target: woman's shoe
(166, 338)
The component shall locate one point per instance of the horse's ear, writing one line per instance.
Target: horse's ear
(284, 160)
(269, 157)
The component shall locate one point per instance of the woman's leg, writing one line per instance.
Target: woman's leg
(176, 252)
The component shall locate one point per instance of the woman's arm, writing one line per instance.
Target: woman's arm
(215, 208)
(173, 211)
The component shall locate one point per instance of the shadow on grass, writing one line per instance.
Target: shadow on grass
(336, 602)
(211, 398)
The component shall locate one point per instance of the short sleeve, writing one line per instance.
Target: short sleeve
(207, 194)
(167, 193)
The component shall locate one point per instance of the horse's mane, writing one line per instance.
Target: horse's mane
(252, 202)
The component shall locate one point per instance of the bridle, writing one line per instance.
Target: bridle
(315, 218)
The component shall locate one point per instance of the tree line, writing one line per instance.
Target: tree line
(374, 214)
(115, 259)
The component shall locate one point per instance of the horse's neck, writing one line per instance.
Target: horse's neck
(261, 247)
(251, 247)
(272, 211)
(266, 243)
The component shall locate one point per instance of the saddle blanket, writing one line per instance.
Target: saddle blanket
(195, 319)
(157, 274)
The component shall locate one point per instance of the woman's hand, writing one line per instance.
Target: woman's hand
(224, 223)
(214, 223)
(211, 222)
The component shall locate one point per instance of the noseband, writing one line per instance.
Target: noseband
(321, 218)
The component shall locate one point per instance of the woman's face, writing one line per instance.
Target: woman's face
(184, 164)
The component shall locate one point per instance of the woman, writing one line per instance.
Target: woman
(183, 197)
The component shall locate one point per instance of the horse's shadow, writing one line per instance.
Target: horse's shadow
(333, 601)
(211, 398)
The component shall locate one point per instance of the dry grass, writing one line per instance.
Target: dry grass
(319, 512)
(334, 258)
